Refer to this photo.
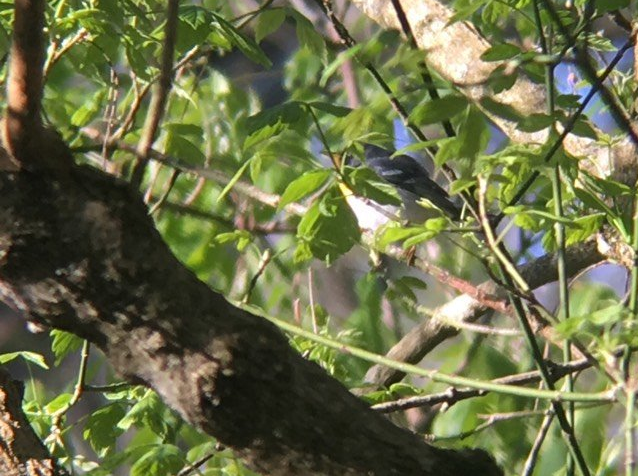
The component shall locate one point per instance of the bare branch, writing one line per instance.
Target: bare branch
(453, 395)
(23, 122)
(160, 96)
(426, 336)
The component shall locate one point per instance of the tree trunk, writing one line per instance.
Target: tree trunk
(79, 252)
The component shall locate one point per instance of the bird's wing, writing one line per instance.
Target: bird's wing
(408, 175)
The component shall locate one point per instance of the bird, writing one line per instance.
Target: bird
(412, 182)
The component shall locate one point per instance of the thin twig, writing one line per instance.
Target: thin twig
(160, 95)
(59, 53)
(436, 376)
(616, 109)
(77, 391)
(169, 186)
(311, 299)
(568, 127)
(452, 395)
(490, 420)
(261, 267)
(530, 463)
(423, 68)
(247, 189)
(191, 468)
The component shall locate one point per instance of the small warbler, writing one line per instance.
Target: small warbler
(413, 185)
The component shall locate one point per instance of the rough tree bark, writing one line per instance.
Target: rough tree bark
(79, 252)
(454, 49)
(21, 451)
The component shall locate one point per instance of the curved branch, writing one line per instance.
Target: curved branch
(423, 338)
(454, 49)
(80, 253)
(22, 120)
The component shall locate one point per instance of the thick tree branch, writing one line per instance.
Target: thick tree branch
(80, 253)
(454, 51)
(423, 338)
(21, 451)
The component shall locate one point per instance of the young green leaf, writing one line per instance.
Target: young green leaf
(437, 110)
(268, 21)
(32, 357)
(64, 343)
(303, 186)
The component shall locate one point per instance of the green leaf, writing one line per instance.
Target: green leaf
(500, 52)
(63, 343)
(268, 22)
(32, 357)
(535, 122)
(58, 403)
(308, 35)
(584, 128)
(436, 224)
(567, 328)
(101, 428)
(437, 110)
(245, 44)
(473, 136)
(568, 101)
(592, 201)
(612, 188)
(89, 109)
(393, 232)
(418, 146)
(530, 218)
(420, 238)
(149, 412)
(367, 184)
(586, 227)
(235, 178)
(461, 185)
(334, 65)
(553, 218)
(405, 285)
(499, 109)
(402, 390)
(526, 221)
(608, 315)
(286, 114)
(195, 16)
(184, 141)
(303, 186)
(332, 109)
(263, 134)
(502, 78)
(329, 228)
(603, 6)
(599, 42)
(465, 12)
(242, 237)
(162, 460)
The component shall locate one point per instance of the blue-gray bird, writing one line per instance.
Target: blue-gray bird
(412, 182)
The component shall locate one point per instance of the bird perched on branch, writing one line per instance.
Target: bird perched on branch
(410, 179)
(413, 184)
